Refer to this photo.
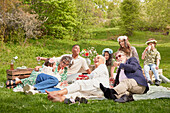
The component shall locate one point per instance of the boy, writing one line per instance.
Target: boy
(151, 60)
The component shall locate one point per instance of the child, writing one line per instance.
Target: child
(151, 60)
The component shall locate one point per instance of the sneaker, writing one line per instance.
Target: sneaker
(157, 82)
(31, 92)
(150, 82)
(28, 87)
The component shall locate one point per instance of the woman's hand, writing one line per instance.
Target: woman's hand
(64, 83)
(37, 68)
(61, 71)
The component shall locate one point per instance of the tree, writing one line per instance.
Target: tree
(113, 9)
(129, 13)
(15, 21)
(157, 15)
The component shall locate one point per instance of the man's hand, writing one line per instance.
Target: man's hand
(116, 64)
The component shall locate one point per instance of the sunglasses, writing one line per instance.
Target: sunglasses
(65, 63)
(118, 56)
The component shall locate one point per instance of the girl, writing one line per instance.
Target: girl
(126, 47)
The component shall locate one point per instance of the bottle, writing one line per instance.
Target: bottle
(11, 66)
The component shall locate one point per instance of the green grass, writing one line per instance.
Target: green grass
(19, 102)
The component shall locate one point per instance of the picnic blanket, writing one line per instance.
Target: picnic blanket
(153, 93)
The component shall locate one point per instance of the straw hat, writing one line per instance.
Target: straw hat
(151, 41)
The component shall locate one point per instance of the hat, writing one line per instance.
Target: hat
(121, 38)
(107, 49)
(152, 40)
(51, 60)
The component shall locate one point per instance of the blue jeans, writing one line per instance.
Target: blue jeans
(46, 82)
(153, 68)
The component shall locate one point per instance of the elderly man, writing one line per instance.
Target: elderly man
(85, 87)
(129, 79)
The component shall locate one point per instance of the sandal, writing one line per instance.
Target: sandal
(10, 86)
(10, 82)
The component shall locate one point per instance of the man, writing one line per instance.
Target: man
(129, 79)
(79, 64)
(85, 87)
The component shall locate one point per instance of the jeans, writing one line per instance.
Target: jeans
(153, 68)
(46, 82)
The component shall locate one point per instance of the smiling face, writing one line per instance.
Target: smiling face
(121, 57)
(64, 63)
(106, 55)
(99, 60)
(122, 43)
(76, 50)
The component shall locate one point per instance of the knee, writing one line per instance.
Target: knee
(153, 67)
(146, 69)
(55, 80)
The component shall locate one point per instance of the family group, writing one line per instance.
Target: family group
(58, 76)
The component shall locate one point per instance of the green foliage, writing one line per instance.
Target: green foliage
(129, 14)
(155, 15)
(49, 47)
(17, 24)
(113, 9)
(60, 16)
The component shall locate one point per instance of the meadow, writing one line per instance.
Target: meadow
(103, 38)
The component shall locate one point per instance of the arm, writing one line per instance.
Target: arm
(41, 58)
(112, 71)
(144, 52)
(135, 53)
(132, 66)
(157, 64)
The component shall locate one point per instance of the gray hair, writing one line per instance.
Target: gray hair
(104, 60)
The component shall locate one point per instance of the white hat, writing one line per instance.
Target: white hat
(121, 38)
(149, 41)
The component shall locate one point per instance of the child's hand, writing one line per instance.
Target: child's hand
(157, 67)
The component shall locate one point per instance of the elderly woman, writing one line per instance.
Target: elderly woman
(126, 47)
(85, 87)
(47, 81)
(129, 79)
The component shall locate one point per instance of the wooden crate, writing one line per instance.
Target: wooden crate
(20, 73)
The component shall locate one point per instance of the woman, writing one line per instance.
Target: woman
(48, 81)
(108, 54)
(127, 48)
(18, 84)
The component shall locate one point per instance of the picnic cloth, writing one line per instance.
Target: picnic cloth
(153, 93)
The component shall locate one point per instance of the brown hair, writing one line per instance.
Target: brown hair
(47, 63)
(127, 48)
(68, 59)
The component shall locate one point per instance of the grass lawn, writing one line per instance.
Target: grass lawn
(19, 102)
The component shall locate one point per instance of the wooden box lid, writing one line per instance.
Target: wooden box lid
(19, 71)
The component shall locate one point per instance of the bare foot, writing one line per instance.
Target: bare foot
(55, 98)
